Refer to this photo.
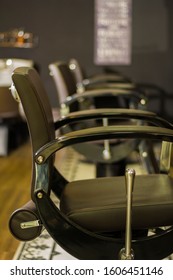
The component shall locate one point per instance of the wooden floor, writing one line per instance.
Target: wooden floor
(15, 177)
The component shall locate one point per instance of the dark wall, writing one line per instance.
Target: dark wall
(66, 29)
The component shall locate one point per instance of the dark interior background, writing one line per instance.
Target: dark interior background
(66, 29)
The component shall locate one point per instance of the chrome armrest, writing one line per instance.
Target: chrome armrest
(104, 78)
(101, 133)
(139, 99)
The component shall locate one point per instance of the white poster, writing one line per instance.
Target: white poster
(113, 32)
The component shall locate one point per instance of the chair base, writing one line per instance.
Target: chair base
(86, 245)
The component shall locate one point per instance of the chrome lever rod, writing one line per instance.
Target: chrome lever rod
(107, 150)
(127, 252)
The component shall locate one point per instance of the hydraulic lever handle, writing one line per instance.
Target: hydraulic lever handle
(127, 252)
(107, 150)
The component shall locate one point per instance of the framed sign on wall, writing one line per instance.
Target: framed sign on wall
(112, 41)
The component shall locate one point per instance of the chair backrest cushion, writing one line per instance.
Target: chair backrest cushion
(76, 70)
(37, 110)
(35, 104)
(64, 81)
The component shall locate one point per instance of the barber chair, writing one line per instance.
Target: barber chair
(108, 156)
(101, 218)
(67, 82)
(155, 94)
(83, 81)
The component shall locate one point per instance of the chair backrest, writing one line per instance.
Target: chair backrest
(63, 79)
(76, 70)
(36, 107)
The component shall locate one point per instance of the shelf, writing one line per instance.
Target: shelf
(18, 38)
(17, 45)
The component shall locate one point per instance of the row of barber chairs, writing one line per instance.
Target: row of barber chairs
(110, 216)
(101, 91)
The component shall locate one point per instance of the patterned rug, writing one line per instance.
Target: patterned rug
(41, 248)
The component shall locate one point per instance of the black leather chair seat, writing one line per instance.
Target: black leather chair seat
(98, 207)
